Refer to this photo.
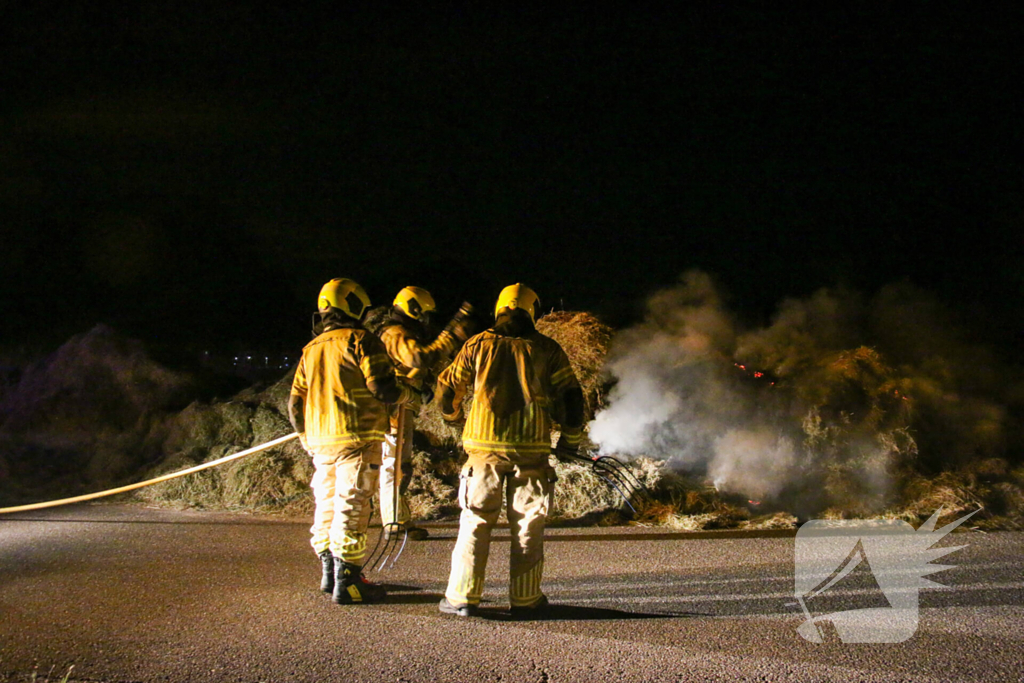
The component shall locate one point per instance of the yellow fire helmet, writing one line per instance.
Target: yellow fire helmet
(415, 301)
(518, 296)
(345, 295)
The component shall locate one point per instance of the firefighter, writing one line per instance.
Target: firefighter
(406, 338)
(337, 405)
(522, 384)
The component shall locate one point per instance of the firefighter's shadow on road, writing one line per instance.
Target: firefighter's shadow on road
(398, 594)
(577, 613)
(412, 595)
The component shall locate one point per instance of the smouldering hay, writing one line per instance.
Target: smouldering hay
(989, 486)
(579, 492)
(682, 504)
(852, 419)
(671, 500)
(776, 520)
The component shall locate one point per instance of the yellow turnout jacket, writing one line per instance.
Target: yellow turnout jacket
(409, 353)
(342, 377)
(519, 384)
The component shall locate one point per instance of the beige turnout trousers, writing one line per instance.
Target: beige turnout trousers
(390, 476)
(527, 488)
(343, 484)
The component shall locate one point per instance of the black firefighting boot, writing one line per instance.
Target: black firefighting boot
(351, 587)
(327, 579)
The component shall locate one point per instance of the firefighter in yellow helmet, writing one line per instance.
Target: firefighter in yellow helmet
(338, 406)
(522, 385)
(406, 338)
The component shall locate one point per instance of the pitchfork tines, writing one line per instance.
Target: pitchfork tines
(379, 556)
(618, 475)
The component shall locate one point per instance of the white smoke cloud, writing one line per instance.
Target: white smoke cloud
(853, 386)
(673, 394)
(757, 463)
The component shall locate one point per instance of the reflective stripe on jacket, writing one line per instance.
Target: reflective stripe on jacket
(519, 385)
(333, 377)
(409, 353)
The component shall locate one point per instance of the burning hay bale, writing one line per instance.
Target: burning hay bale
(844, 406)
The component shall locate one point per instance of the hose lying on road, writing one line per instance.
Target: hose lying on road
(150, 482)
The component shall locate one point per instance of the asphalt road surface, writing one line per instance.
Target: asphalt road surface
(133, 594)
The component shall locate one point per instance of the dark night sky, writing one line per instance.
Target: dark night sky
(192, 173)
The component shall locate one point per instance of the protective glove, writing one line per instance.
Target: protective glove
(462, 324)
(565, 452)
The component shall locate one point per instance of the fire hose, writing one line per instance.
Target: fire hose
(150, 482)
(611, 470)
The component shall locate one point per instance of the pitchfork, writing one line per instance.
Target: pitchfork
(616, 474)
(389, 531)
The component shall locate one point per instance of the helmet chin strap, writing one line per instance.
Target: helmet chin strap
(322, 319)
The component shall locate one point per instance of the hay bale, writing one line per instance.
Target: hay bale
(579, 493)
(270, 481)
(80, 419)
(433, 428)
(775, 520)
(585, 340)
(433, 490)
